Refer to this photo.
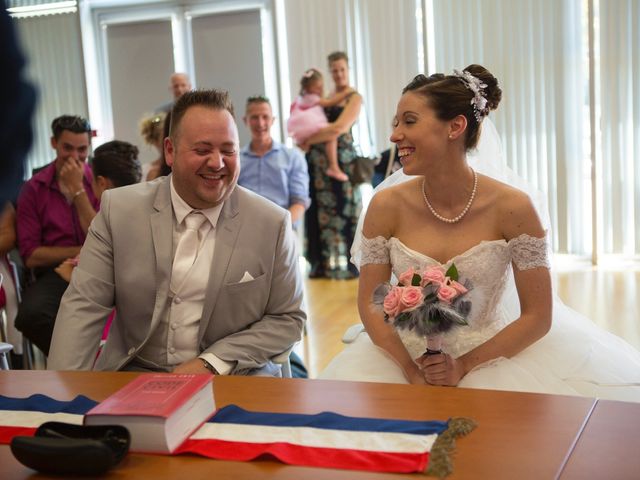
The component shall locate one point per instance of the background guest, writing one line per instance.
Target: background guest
(152, 132)
(331, 220)
(179, 84)
(55, 208)
(307, 117)
(114, 164)
(269, 168)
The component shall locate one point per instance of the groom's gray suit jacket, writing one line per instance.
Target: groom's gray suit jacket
(126, 262)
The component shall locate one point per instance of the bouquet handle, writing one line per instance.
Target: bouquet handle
(434, 344)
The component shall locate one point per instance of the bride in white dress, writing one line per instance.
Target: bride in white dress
(442, 210)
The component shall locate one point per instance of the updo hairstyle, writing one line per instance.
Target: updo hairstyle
(453, 95)
(151, 129)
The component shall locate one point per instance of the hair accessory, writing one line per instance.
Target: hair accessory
(477, 86)
(309, 73)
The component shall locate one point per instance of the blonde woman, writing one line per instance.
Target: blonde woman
(152, 132)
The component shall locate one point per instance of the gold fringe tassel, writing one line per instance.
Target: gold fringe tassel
(440, 464)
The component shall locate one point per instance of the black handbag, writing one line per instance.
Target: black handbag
(362, 169)
(66, 449)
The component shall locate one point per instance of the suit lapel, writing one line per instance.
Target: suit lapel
(162, 237)
(226, 235)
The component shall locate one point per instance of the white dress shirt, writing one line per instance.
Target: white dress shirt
(185, 312)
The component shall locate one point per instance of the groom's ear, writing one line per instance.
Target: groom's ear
(457, 126)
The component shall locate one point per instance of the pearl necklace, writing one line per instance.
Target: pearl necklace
(464, 211)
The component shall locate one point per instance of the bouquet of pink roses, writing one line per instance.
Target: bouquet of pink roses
(429, 302)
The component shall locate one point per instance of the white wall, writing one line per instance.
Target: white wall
(54, 63)
(140, 63)
(227, 55)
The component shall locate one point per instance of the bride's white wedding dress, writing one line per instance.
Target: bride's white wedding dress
(575, 358)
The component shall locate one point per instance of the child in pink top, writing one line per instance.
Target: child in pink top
(307, 117)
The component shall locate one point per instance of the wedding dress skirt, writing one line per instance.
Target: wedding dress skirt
(575, 357)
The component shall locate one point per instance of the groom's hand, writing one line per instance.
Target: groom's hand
(192, 366)
(441, 369)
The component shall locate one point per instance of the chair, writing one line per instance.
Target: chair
(5, 348)
(32, 356)
(3, 317)
(282, 359)
(351, 334)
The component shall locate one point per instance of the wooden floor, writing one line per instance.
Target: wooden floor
(611, 298)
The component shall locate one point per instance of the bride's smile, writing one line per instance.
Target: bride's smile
(420, 136)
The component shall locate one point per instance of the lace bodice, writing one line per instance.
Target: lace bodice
(487, 265)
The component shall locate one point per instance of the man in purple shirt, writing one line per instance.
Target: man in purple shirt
(55, 208)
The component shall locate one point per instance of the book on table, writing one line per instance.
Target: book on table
(160, 409)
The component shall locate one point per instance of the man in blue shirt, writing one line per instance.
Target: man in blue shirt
(269, 168)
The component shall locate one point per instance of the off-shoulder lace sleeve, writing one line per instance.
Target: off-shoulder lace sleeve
(529, 252)
(375, 250)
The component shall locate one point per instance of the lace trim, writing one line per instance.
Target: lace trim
(375, 251)
(529, 252)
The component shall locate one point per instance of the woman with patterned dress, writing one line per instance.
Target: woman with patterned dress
(519, 336)
(330, 221)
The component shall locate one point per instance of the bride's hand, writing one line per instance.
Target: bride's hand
(416, 377)
(441, 369)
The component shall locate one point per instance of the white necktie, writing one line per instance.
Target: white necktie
(187, 250)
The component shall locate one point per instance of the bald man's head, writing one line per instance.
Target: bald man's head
(180, 84)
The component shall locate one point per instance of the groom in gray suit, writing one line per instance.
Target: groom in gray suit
(221, 293)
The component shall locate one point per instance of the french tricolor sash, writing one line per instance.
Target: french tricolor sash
(321, 440)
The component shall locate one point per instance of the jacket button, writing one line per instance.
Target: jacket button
(131, 351)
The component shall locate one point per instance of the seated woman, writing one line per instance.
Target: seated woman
(449, 213)
(114, 164)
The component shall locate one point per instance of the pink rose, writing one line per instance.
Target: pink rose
(391, 304)
(458, 286)
(447, 293)
(411, 299)
(405, 278)
(435, 274)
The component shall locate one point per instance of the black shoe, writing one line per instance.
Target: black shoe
(317, 272)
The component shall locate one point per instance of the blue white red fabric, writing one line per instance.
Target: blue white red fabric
(322, 440)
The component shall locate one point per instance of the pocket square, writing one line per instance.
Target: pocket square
(246, 277)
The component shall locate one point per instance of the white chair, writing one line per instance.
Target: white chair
(5, 348)
(3, 318)
(351, 334)
(282, 359)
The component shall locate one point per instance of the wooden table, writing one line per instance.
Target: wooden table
(519, 435)
(609, 447)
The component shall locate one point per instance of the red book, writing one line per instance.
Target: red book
(160, 409)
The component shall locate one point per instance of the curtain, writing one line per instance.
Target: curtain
(535, 50)
(619, 102)
(53, 49)
(381, 40)
(389, 48)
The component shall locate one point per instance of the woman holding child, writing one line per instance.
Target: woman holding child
(331, 220)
